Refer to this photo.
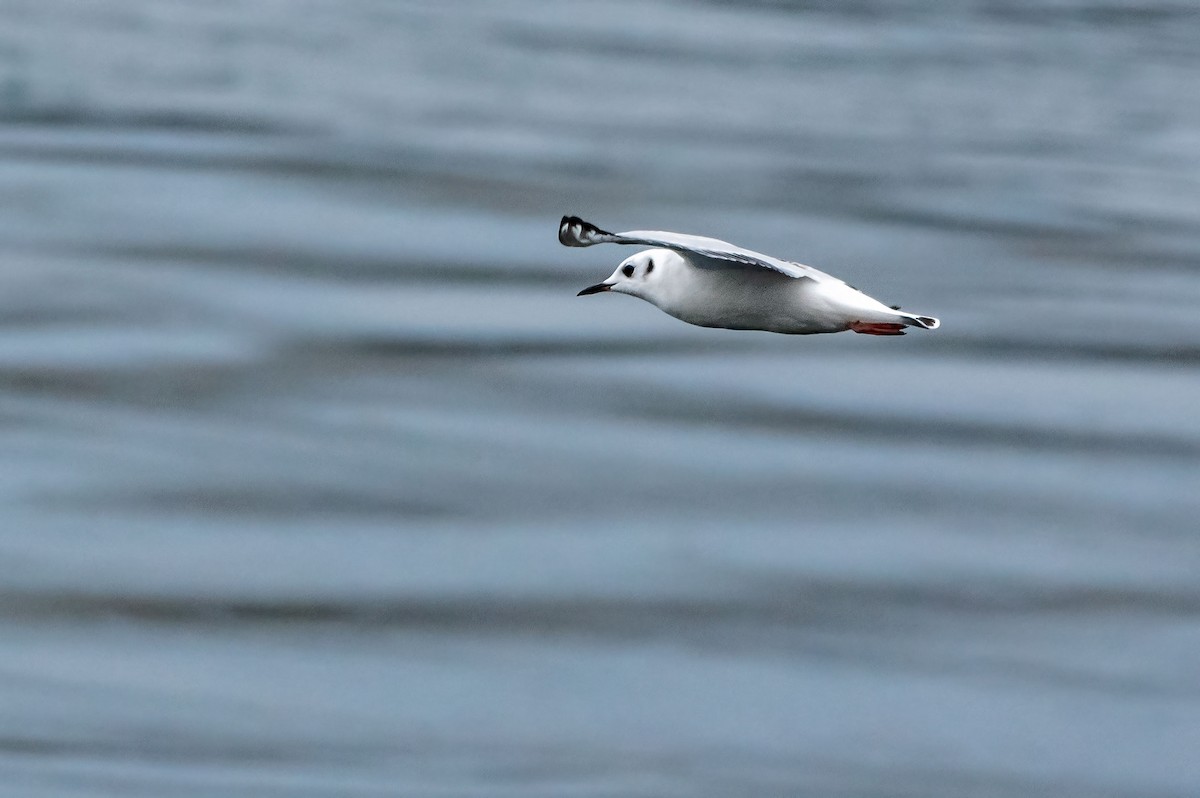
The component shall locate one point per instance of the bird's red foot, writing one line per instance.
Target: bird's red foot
(877, 328)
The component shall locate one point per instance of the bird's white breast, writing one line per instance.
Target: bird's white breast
(751, 298)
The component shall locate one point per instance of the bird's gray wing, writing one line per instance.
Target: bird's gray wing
(575, 232)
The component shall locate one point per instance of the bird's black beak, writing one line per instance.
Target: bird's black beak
(595, 289)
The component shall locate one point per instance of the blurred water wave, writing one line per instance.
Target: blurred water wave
(318, 478)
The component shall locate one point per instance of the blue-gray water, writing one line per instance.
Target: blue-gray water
(316, 478)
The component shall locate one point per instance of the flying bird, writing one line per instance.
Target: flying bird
(712, 283)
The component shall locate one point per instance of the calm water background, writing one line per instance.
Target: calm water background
(316, 478)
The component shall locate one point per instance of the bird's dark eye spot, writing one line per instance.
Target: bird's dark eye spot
(649, 266)
(627, 270)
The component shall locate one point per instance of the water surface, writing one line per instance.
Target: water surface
(317, 479)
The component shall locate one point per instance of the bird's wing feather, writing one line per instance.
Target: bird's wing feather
(575, 232)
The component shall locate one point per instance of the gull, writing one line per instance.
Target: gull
(712, 283)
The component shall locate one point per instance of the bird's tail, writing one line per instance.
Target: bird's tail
(926, 322)
(895, 327)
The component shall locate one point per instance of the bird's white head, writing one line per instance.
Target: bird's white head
(645, 275)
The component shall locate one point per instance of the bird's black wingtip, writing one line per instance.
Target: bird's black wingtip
(575, 232)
